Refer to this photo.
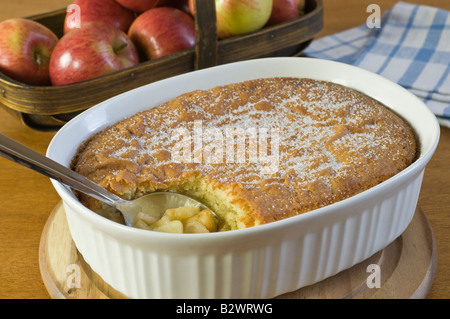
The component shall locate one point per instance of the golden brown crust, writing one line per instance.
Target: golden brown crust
(334, 142)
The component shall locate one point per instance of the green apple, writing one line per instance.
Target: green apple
(237, 17)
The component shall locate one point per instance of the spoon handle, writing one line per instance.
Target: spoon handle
(27, 157)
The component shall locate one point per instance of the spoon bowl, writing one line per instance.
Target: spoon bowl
(154, 203)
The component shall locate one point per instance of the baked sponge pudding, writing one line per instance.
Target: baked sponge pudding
(254, 152)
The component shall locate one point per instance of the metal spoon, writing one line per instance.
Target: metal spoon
(153, 203)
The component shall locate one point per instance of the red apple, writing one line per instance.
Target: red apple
(108, 11)
(163, 30)
(237, 17)
(25, 50)
(182, 5)
(191, 7)
(91, 51)
(139, 5)
(168, 3)
(286, 10)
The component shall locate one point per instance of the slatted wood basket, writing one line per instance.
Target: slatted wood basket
(50, 107)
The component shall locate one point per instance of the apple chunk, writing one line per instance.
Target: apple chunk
(93, 50)
(25, 50)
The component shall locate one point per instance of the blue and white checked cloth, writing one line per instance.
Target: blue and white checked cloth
(412, 48)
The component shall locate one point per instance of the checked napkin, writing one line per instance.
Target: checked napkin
(411, 48)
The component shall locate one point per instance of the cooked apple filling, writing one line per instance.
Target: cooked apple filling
(186, 219)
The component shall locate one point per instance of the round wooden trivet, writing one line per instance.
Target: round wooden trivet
(404, 269)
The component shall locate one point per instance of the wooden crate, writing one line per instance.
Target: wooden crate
(50, 107)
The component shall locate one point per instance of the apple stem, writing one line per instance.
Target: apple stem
(119, 48)
(38, 58)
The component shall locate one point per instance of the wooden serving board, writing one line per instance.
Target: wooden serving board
(406, 267)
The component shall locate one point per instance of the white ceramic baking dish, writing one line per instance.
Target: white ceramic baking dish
(259, 262)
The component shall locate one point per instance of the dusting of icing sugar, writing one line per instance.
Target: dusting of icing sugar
(306, 123)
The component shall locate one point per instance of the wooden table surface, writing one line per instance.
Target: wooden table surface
(27, 198)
